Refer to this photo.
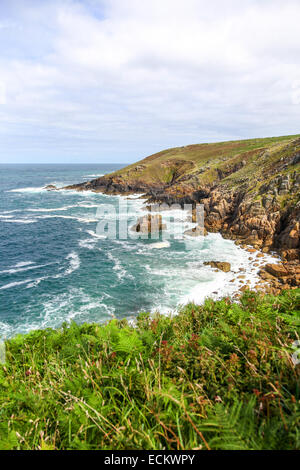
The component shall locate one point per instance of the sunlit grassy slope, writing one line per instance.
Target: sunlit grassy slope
(202, 162)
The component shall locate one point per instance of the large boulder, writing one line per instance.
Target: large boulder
(287, 274)
(221, 265)
(149, 224)
(277, 270)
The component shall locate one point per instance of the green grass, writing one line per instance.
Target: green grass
(217, 376)
(209, 158)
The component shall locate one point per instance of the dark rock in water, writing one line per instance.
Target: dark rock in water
(149, 224)
(51, 187)
(221, 265)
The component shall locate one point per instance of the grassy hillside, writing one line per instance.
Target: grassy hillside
(202, 162)
(218, 376)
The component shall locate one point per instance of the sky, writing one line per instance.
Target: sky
(97, 81)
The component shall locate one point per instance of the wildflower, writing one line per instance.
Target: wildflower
(234, 358)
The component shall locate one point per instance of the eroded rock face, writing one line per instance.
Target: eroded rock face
(149, 224)
(221, 265)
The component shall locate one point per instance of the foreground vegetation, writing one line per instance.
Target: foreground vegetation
(218, 376)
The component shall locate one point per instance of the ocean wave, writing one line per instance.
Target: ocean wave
(84, 220)
(88, 206)
(88, 243)
(92, 176)
(160, 245)
(57, 209)
(72, 192)
(21, 264)
(18, 221)
(36, 282)
(27, 190)
(74, 304)
(95, 235)
(120, 270)
(15, 284)
(22, 268)
(74, 263)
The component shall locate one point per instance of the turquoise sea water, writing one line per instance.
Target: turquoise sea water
(55, 268)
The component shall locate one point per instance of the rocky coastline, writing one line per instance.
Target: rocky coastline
(254, 201)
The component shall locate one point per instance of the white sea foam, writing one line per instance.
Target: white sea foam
(27, 190)
(36, 282)
(120, 270)
(22, 268)
(83, 220)
(88, 243)
(15, 284)
(93, 176)
(88, 206)
(95, 235)
(217, 284)
(73, 192)
(74, 304)
(160, 245)
(57, 209)
(11, 212)
(74, 263)
(19, 221)
(23, 263)
(135, 196)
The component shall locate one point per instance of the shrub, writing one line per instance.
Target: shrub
(217, 376)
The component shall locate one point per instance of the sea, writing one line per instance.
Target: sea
(56, 266)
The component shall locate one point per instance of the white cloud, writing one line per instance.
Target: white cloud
(118, 80)
(2, 93)
(296, 92)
